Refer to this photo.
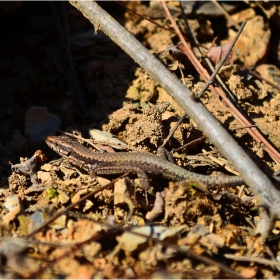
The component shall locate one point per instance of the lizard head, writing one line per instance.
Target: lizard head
(63, 145)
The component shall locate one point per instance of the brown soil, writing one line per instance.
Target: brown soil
(92, 239)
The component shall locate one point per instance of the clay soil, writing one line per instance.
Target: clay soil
(190, 233)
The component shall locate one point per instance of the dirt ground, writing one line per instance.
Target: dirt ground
(182, 232)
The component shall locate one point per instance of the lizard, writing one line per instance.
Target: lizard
(139, 163)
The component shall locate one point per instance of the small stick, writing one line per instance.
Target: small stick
(190, 144)
(207, 60)
(212, 77)
(173, 130)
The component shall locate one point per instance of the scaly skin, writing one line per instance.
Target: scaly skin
(140, 163)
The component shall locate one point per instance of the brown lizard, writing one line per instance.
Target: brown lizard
(140, 163)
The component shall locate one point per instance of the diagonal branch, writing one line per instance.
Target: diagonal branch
(253, 176)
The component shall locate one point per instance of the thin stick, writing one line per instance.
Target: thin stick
(190, 144)
(210, 81)
(174, 129)
(207, 59)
